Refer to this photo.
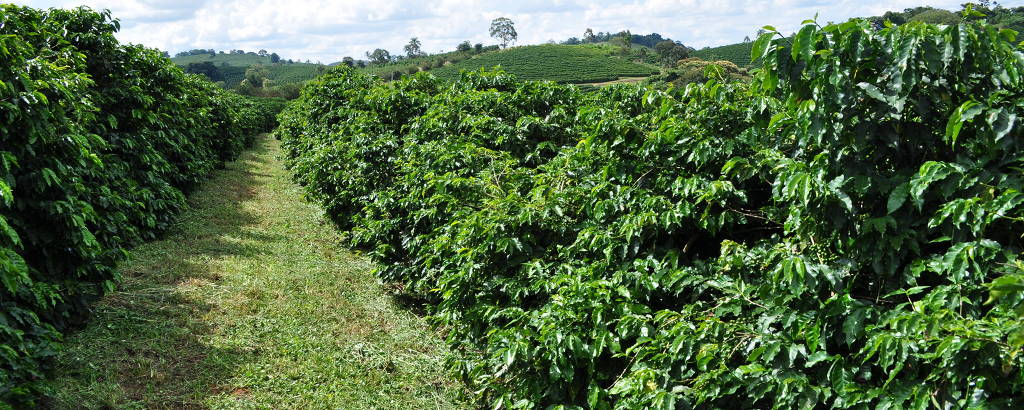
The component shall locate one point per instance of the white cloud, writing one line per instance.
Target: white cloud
(327, 30)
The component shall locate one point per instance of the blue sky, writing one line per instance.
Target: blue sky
(327, 30)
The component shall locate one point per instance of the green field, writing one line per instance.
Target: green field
(234, 72)
(559, 63)
(738, 53)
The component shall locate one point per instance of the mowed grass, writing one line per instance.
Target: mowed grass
(250, 302)
(553, 62)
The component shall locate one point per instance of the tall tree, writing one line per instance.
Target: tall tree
(671, 52)
(464, 46)
(626, 42)
(349, 61)
(378, 56)
(504, 29)
(588, 36)
(274, 58)
(413, 48)
(262, 53)
(205, 68)
(256, 75)
(664, 47)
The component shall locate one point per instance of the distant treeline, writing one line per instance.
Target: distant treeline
(258, 80)
(200, 51)
(989, 11)
(274, 57)
(646, 40)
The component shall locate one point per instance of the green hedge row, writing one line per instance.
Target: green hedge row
(99, 142)
(845, 231)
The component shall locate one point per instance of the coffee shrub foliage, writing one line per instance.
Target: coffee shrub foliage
(99, 143)
(843, 231)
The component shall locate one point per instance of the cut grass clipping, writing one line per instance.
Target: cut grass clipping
(248, 302)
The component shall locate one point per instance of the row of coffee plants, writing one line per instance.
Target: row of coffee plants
(844, 231)
(99, 142)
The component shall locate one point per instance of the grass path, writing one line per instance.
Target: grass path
(251, 303)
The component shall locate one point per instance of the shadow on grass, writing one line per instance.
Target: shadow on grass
(147, 344)
(414, 304)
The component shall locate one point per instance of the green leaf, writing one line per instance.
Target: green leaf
(875, 93)
(1005, 286)
(966, 112)
(804, 44)
(1016, 337)
(816, 358)
(6, 194)
(1002, 123)
(9, 232)
(897, 197)
(760, 47)
(853, 326)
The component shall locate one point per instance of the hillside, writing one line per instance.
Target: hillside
(406, 64)
(559, 63)
(231, 67)
(738, 53)
(238, 60)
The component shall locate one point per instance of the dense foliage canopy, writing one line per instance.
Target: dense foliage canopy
(99, 141)
(843, 232)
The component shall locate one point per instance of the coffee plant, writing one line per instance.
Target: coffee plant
(843, 231)
(99, 142)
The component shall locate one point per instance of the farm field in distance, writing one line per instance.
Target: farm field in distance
(496, 205)
(738, 53)
(552, 62)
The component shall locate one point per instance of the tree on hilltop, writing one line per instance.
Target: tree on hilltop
(671, 52)
(625, 40)
(413, 48)
(256, 75)
(504, 29)
(378, 56)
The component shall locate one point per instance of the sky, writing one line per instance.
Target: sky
(327, 30)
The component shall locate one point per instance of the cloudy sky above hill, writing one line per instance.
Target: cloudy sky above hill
(327, 30)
